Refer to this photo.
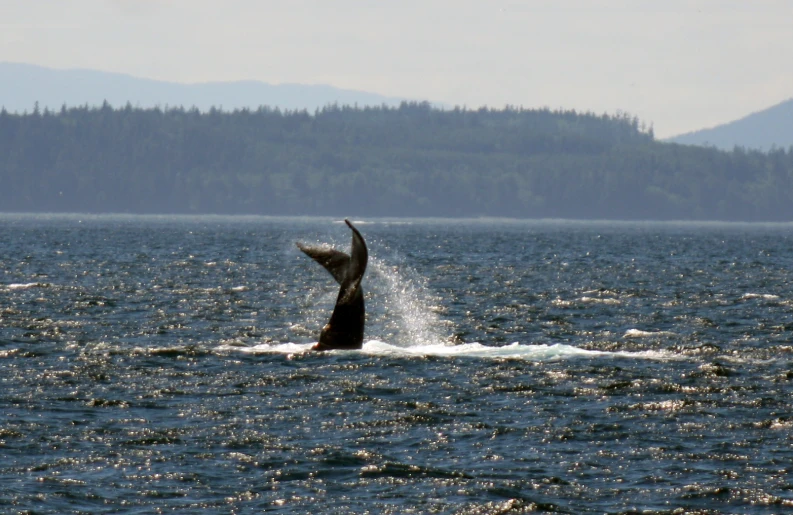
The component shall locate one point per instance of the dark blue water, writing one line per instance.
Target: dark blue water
(154, 365)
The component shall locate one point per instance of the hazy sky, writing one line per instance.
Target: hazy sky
(681, 65)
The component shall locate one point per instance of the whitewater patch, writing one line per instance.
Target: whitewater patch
(539, 352)
(638, 333)
(561, 303)
(599, 300)
(25, 286)
(763, 296)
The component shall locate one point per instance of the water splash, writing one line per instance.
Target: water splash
(402, 307)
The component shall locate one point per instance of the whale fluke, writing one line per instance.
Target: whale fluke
(345, 328)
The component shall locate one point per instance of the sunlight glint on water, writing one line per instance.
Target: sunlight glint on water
(139, 378)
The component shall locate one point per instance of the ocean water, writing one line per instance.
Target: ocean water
(160, 364)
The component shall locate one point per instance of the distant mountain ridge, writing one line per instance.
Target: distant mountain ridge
(772, 127)
(22, 85)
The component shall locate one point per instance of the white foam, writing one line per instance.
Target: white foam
(764, 296)
(23, 286)
(267, 348)
(515, 350)
(598, 300)
(638, 333)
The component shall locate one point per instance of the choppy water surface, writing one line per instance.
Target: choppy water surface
(159, 364)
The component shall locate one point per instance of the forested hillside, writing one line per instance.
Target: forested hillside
(412, 160)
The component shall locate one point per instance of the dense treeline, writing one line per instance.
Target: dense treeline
(413, 160)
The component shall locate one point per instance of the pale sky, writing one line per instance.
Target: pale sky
(680, 65)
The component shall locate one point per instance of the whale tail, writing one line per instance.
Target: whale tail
(346, 325)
